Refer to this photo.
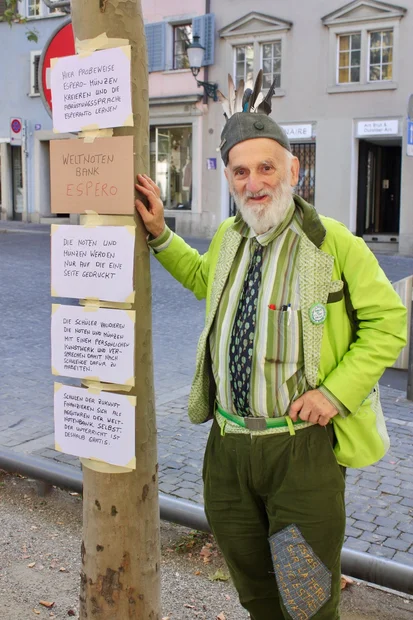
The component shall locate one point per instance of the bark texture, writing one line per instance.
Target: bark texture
(120, 550)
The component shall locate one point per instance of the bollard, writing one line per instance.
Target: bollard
(404, 289)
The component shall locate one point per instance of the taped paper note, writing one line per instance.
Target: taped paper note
(93, 262)
(93, 344)
(92, 90)
(92, 176)
(100, 426)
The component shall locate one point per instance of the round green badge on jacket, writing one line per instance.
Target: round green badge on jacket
(318, 313)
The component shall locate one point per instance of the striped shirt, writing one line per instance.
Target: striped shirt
(278, 365)
(277, 373)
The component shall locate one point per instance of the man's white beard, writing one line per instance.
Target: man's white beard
(262, 217)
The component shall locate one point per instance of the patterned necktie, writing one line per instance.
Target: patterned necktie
(242, 336)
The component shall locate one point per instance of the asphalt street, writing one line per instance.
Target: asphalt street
(379, 498)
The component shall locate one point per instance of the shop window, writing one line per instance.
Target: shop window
(171, 164)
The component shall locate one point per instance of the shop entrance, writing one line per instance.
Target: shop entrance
(17, 173)
(378, 199)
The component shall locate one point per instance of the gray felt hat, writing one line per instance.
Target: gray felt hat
(246, 111)
(247, 126)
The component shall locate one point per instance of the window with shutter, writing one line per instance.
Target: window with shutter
(204, 27)
(155, 42)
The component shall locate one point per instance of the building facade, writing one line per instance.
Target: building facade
(342, 93)
(177, 113)
(343, 87)
(20, 102)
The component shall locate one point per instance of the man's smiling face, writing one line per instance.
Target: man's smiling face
(261, 175)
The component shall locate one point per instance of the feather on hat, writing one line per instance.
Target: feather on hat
(246, 111)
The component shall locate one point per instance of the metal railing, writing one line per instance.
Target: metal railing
(359, 565)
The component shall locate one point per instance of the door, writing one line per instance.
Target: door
(17, 172)
(378, 195)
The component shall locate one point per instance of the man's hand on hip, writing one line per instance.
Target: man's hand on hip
(152, 215)
(312, 407)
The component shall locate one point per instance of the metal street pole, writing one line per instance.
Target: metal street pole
(409, 393)
(120, 549)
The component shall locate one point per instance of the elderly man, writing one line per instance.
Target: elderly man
(301, 323)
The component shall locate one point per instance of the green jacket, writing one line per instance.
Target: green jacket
(363, 333)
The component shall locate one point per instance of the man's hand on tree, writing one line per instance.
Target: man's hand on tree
(313, 407)
(153, 214)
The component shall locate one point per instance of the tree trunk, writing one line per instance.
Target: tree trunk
(120, 576)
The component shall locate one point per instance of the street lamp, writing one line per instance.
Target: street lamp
(195, 52)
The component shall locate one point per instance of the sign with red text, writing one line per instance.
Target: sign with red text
(92, 176)
(92, 91)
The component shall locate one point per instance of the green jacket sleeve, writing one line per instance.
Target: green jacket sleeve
(380, 323)
(186, 265)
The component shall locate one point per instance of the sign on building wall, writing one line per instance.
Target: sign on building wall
(92, 176)
(298, 132)
(410, 138)
(16, 131)
(92, 91)
(378, 128)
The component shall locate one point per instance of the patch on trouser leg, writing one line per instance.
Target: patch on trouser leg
(304, 583)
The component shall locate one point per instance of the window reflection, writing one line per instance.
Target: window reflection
(171, 164)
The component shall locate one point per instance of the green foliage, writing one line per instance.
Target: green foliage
(32, 35)
(11, 15)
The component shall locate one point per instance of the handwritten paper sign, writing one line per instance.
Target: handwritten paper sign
(93, 262)
(95, 176)
(93, 91)
(93, 344)
(100, 426)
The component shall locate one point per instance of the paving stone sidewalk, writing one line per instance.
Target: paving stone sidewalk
(379, 499)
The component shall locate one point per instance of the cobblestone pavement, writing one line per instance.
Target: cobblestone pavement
(379, 498)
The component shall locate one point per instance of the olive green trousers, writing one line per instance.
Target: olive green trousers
(255, 487)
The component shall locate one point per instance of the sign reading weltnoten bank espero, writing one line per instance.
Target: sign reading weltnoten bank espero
(378, 128)
(92, 176)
